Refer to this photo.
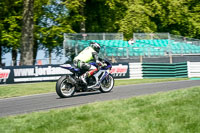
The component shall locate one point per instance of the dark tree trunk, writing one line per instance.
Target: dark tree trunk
(27, 40)
(14, 57)
(0, 56)
(35, 48)
(82, 24)
(50, 56)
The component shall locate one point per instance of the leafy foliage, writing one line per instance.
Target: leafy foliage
(52, 18)
(10, 25)
(52, 26)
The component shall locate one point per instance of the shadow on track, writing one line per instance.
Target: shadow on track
(81, 94)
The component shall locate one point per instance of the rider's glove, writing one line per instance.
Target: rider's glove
(99, 63)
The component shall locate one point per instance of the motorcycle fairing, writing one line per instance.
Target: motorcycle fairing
(99, 80)
(69, 67)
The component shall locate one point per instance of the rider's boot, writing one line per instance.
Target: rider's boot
(86, 75)
(83, 78)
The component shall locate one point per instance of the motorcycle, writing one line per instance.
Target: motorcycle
(102, 80)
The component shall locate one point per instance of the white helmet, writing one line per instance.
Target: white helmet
(95, 46)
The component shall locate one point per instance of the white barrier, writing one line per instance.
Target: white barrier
(193, 69)
(135, 70)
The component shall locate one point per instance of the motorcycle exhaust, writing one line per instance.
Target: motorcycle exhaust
(71, 80)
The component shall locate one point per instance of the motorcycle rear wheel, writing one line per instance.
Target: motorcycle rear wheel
(107, 84)
(64, 88)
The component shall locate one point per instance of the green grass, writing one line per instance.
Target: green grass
(171, 112)
(45, 87)
(140, 81)
(14, 90)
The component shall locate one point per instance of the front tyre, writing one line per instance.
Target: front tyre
(64, 88)
(107, 84)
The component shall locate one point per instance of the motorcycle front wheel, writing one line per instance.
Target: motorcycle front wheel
(64, 88)
(107, 84)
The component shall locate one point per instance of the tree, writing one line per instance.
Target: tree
(103, 15)
(39, 6)
(56, 17)
(10, 27)
(138, 18)
(53, 25)
(76, 14)
(95, 15)
(180, 17)
(27, 41)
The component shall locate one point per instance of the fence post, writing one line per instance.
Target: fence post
(141, 59)
(104, 47)
(76, 48)
(188, 68)
(127, 53)
(169, 37)
(170, 59)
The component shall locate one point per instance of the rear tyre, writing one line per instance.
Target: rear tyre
(64, 88)
(107, 84)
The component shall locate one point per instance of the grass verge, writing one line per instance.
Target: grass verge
(14, 90)
(174, 111)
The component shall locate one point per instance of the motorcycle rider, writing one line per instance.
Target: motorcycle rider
(87, 55)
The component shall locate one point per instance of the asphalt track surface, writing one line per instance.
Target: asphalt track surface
(26, 104)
